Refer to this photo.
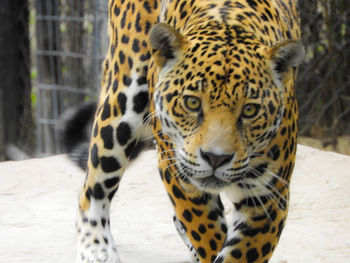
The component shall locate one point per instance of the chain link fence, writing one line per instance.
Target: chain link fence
(323, 86)
(71, 41)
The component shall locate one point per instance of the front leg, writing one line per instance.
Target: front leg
(199, 217)
(119, 126)
(256, 228)
(181, 229)
(117, 135)
(105, 170)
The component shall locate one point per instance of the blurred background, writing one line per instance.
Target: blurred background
(51, 53)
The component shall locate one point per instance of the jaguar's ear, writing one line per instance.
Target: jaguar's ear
(284, 56)
(166, 43)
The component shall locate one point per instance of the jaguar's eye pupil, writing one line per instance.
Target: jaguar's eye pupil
(192, 103)
(250, 110)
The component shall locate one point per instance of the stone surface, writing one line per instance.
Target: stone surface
(38, 200)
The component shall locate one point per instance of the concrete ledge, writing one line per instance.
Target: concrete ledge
(38, 200)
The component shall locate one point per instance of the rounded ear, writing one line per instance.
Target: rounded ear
(284, 56)
(166, 42)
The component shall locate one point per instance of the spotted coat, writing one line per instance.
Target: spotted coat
(213, 80)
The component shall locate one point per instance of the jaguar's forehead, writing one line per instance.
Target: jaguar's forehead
(221, 68)
(223, 57)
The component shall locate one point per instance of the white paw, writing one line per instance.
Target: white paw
(96, 244)
(98, 254)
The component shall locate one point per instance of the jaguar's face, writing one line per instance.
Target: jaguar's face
(220, 105)
(218, 117)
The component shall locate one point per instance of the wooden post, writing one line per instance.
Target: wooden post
(16, 120)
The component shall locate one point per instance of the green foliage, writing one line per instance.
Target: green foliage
(90, 98)
(33, 98)
(33, 74)
(63, 69)
(343, 30)
(320, 48)
(32, 14)
(63, 27)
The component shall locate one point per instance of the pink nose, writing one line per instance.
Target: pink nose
(214, 160)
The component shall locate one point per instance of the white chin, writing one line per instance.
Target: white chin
(210, 185)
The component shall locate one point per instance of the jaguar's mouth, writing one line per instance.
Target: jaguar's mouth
(210, 183)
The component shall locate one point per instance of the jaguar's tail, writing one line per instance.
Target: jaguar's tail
(76, 126)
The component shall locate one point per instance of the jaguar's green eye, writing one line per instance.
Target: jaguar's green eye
(192, 103)
(250, 110)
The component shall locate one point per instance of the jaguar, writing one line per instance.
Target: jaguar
(211, 82)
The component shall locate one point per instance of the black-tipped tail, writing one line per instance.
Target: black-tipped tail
(76, 125)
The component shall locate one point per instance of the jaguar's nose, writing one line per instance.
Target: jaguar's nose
(214, 160)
